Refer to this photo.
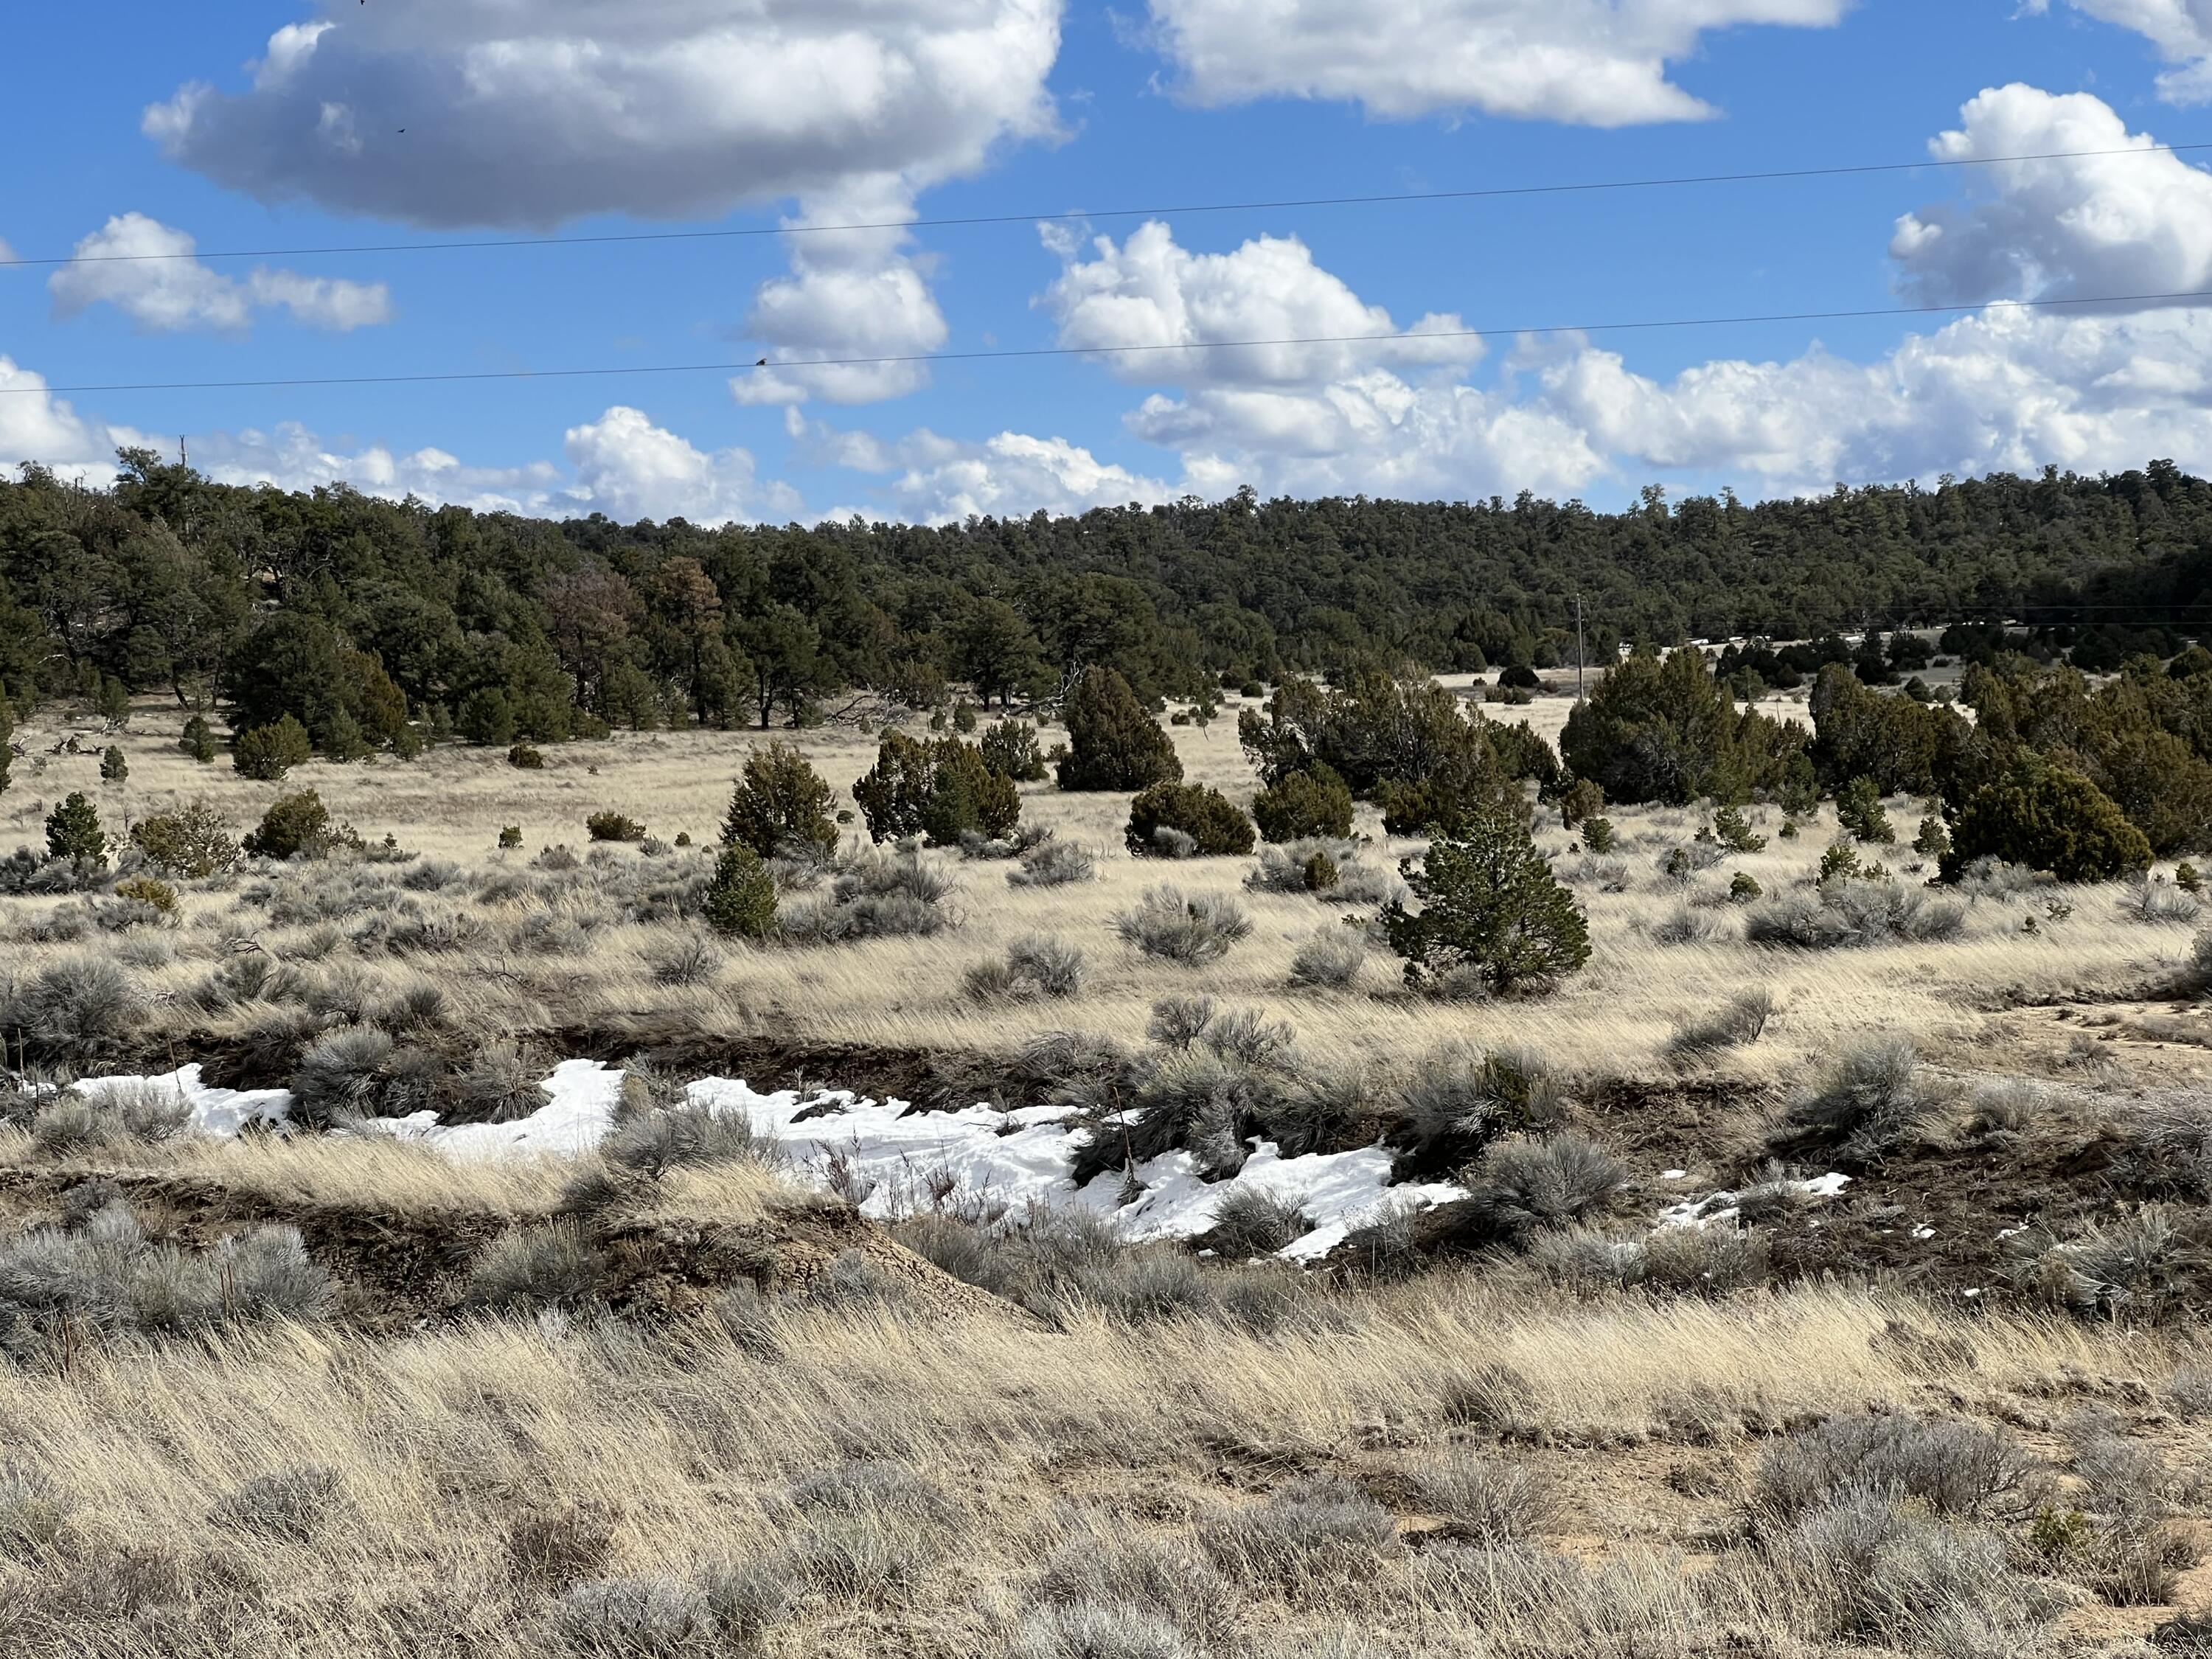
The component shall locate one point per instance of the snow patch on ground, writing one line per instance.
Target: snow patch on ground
(215, 1111)
(892, 1160)
(1725, 1208)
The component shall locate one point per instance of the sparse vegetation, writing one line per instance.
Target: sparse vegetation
(1600, 1285)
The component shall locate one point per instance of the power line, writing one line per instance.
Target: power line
(1398, 199)
(2191, 297)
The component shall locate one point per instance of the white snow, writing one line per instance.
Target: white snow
(1724, 1207)
(892, 1160)
(215, 1111)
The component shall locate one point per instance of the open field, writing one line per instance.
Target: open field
(907, 995)
(678, 1395)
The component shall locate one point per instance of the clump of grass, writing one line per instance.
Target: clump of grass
(1958, 1470)
(875, 894)
(1841, 914)
(1686, 925)
(561, 1544)
(1870, 1098)
(2139, 1262)
(2159, 902)
(106, 1272)
(635, 1618)
(1488, 1500)
(498, 1084)
(81, 1011)
(1741, 1022)
(873, 1486)
(1864, 1570)
(1194, 930)
(1461, 1098)
(1054, 864)
(1093, 1630)
(1314, 1530)
(1061, 1264)
(552, 1264)
(295, 1504)
(1708, 1260)
(1251, 1221)
(1330, 871)
(1035, 967)
(1169, 1576)
(857, 1560)
(81, 1121)
(1525, 1186)
(688, 962)
(746, 1600)
(361, 1071)
(1329, 960)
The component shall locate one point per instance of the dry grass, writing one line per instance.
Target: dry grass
(476, 1484)
(907, 994)
(376, 1175)
(440, 1443)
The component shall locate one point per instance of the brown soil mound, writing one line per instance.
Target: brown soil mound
(397, 1271)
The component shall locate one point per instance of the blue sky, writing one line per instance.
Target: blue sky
(276, 124)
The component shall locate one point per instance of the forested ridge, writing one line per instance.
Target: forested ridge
(499, 626)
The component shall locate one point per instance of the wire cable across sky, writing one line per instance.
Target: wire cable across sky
(1077, 216)
(2189, 298)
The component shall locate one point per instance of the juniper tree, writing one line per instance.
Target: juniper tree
(2046, 818)
(781, 804)
(1113, 742)
(73, 832)
(1489, 903)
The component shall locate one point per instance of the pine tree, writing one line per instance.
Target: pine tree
(1304, 805)
(73, 832)
(199, 741)
(268, 752)
(741, 898)
(1858, 809)
(1489, 903)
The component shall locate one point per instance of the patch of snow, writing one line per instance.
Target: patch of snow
(1923, 1232)
(1673, 1175)
(215, 1111)
(892, 1160)
(1724, 1207)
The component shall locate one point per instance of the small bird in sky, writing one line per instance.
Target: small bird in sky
(763, 363)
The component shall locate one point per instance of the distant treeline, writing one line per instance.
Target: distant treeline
(375, 622)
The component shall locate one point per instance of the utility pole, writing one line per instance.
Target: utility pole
(183, 459)
(1580, 684)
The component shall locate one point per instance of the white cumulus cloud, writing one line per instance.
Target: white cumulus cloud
(145, 269)
(2180, 30)
(36, 426)
(857, 293)
(2078, 225)
(930, 479)
(1150, 292)
(629, 468)
(2005, 390)
(1599, 63)
(530, 114)
(1369, 406)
